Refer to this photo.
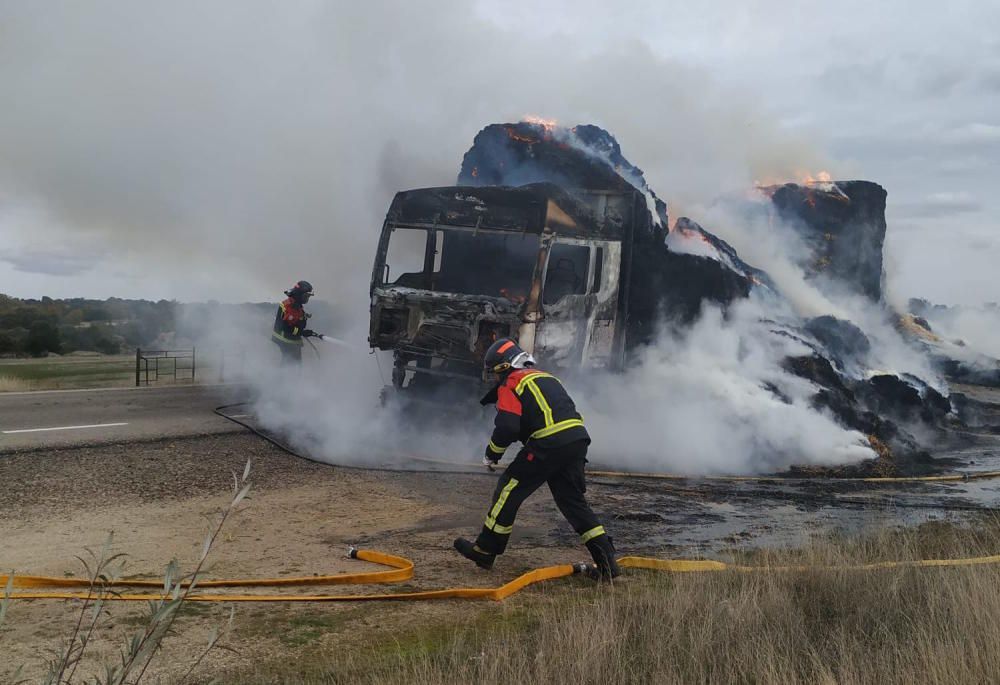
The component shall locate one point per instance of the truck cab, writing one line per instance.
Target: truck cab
(458, 267)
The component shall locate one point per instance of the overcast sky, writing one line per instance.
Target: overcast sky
(198, 150)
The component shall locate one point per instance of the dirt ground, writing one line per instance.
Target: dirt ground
(159, 499)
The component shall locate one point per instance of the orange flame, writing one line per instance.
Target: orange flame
(821, 182)
(801, 177)
(821, 177)
(548, 124)
(521, 138)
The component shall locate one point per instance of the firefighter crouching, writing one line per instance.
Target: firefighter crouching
(290, 323)
(535, 409)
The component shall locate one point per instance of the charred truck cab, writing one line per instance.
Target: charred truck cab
(458, 267)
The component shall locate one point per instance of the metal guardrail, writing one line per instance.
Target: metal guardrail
(151, 365)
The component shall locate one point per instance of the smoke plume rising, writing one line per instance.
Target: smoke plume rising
(247, 146)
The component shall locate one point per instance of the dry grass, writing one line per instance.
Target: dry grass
(898, 626)
(13, 384)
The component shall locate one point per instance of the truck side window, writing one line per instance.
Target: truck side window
(598, 269)
(567, 272)
(405, 258)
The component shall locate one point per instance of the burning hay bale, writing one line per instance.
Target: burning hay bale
(843, 225)
(583, 157)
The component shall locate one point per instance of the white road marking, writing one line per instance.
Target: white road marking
(62, 428)
(240, 416)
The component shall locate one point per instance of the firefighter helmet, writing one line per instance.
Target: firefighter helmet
(302, 290)
(505, 354)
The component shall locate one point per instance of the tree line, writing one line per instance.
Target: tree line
(40, 327)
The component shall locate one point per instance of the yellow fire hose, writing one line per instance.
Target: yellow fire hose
(402, 569)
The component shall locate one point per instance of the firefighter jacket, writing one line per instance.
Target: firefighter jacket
(289, 323)
(535, 409)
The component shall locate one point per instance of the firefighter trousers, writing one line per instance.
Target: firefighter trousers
(291, 354)
(562, 468)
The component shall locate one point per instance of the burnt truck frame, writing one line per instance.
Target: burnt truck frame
(543, 265)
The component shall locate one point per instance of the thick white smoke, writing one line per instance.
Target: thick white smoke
(976, 329)
(714, 399)
(329, 408)
(765, 241)
(710, 399)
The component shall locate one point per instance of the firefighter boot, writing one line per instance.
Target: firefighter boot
(472, 552)
(603, 552)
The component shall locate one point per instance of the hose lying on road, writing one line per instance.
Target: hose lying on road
(402, 569)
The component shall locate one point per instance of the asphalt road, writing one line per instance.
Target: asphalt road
(60, 418)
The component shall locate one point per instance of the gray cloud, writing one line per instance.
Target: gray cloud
(975, 134)
(942, 204)
(50, 263)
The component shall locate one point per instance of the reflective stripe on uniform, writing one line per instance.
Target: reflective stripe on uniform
(542, 404)
(591, 534)
(527, 377)
(495, 448)
(556, 428)
(282, 339)
(491, 519)
(550, 428)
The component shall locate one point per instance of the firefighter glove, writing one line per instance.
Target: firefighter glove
(308, 333)
(490, 463)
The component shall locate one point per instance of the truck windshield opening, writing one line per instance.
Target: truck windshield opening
(464, 263)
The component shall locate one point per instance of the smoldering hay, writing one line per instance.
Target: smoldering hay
(699, 291)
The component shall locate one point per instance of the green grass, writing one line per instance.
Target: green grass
(66, 372)
(307, 628)
(57, 373)
(301, 629)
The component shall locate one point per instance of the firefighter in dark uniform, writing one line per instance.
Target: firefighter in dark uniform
(535, 409)
(290, 323)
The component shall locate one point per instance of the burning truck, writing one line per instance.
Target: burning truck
(553, 237)
(534, 262)
(577, 271)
